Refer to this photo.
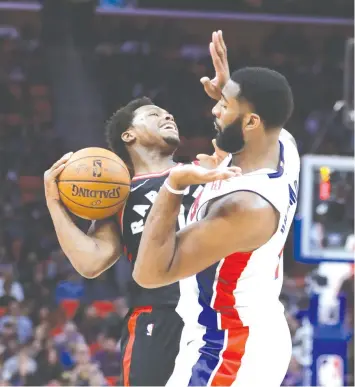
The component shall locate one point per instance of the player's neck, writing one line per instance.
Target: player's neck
(259, 154)
(151, 161)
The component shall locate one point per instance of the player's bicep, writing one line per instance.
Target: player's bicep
(107, 237)
(238, 223)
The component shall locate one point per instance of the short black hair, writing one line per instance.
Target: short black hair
(268, 92)
(118, 123)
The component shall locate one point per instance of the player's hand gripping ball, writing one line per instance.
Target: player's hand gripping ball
(94, 183)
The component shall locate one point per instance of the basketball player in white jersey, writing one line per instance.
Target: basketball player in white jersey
(230, 258)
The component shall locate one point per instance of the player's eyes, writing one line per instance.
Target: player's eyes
(154, 114)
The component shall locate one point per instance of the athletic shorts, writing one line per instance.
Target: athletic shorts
(243, 357)
(150, 342)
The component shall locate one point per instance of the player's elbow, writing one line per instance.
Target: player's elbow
(92, 268)
(145, 279)
(89, 273)
(142, 280)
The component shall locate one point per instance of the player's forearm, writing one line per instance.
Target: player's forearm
(157, 246)
(82, 250)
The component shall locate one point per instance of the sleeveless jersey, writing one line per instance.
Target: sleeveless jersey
(244, 288)
(144, 190)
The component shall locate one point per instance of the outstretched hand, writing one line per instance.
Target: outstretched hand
(212, 162)
(218, 51)
(182, 176)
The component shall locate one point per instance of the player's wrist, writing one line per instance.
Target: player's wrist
(54, 204)
(174, 187)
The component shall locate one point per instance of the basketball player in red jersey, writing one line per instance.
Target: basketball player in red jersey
(229, 257)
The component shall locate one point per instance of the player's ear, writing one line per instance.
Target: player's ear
(128, 136)
(251, 121)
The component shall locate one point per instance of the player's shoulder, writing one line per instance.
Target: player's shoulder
(147, 181)
(243, 203)
(291, 155)
(248, 200)
(286, 135)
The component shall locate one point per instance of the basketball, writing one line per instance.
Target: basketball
(94, 184)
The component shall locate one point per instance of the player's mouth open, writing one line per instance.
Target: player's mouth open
(169, 126)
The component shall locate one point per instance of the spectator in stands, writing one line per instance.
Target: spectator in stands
(49, 368)
(6, 297)
(71, 288)
(23, 323)
(90, 324)
(67, 341)
(8, 336)
(40, 341)
(109, 358)
(115, 319)
(85, 372)
(14, 288)
(20, 369)
(38, 292)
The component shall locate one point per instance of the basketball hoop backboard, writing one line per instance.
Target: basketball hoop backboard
(324, 228)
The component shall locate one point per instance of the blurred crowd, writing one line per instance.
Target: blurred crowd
(57, 328)
(165, 62)
(44, 338)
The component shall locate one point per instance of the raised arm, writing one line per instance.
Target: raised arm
(89, 254)
(238, 222)
(218, 51)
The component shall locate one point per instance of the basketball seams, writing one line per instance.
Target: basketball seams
(111, 194)
(102, 157)
(94, 181)
(93, 208)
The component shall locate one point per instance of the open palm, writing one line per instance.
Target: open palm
(218, 51)
(182, 176)
(212, 161)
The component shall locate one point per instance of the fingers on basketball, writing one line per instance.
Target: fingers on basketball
(58, 166)
(61, 161)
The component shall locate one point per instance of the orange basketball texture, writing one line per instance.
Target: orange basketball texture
(94, 184)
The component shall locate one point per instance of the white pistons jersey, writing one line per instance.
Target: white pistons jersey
(233, 307)
(245, 282)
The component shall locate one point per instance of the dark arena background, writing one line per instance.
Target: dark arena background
(65, 66)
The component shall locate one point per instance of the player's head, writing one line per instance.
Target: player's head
(254, 99)
(143, 124)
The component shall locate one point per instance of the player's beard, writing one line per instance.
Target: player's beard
(231, 139)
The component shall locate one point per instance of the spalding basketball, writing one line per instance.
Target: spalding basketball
(94, 184)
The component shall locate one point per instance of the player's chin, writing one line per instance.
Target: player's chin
(172, 139)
